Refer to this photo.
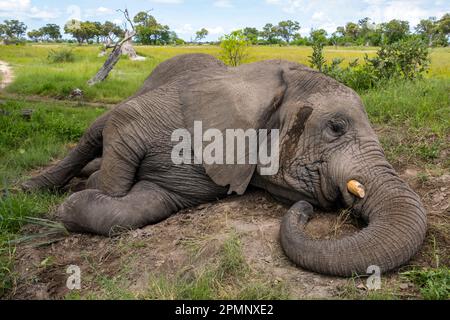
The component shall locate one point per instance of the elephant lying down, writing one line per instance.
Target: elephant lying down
(329, 157)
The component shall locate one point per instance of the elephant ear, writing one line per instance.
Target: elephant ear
(233, 98)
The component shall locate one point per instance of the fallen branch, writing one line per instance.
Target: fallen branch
(111, 61)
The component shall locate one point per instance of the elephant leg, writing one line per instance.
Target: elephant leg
(94, 211)
(89, 147)
(117, 173)
(91, 168)
(93, 181)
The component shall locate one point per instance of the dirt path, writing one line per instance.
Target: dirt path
(70, 103)
(7, 75)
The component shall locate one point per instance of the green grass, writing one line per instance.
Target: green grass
(421, 109)
(28, 144)
(59, 79)
(433, 283)
(25, 145)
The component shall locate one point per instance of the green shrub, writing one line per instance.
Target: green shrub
(60, 56)
(234, 48)
(317, 60)
(404, 60)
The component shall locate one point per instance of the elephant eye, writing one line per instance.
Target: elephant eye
(337, 126)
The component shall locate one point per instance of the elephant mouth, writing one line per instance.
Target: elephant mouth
(341, 191)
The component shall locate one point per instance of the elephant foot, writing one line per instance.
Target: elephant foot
(38, 183)
(93, 211)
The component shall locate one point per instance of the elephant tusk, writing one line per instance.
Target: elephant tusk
(356, 188)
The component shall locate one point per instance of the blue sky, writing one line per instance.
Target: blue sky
(223, 16)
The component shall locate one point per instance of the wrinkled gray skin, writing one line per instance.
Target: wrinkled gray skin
(325, 141)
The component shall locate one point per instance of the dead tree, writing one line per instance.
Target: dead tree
(123, 46)
(109, 64)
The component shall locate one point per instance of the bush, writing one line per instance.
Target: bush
(60, 56)
(404, 60)
(234, 48)
(317, 60)
(356, 76)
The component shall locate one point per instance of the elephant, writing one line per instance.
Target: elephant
(329, 158)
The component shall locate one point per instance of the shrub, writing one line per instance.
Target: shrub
(317, 60)
(60, 56)
(234, 48)
(405, 60)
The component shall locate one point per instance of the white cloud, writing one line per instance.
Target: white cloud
(223, 4)
(185, 29)
(291, 6)
(326, 13)
(98, 12)
(412, 11)
(14, 5)
(24, 9)
(318, 16)
(215, 30)
(167, 1)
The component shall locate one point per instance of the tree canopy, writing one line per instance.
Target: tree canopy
(434, 31)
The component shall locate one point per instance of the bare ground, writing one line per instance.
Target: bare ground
(166, 249)
(7, 74)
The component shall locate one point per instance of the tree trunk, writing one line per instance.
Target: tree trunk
(107, 66)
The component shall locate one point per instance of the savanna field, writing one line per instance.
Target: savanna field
(228, 249)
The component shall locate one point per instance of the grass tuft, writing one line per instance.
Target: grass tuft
(433, 283)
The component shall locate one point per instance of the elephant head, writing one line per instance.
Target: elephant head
(330, 157)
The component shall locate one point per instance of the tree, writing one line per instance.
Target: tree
(149, 31)
(434, 32)
(443, 27)
(82, 31)
(352, 30)
(427, 29)
(35, 35)
(201, 34)
(234, 48)
(287, 29)
(366, 32)
(72, 27)
(395, 30)
(270, 33)
(110, 32)
(251, 34)
(51, 31)
(13, 29)
(444, 24)
(318, 36)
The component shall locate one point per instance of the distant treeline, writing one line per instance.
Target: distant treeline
(435, 32)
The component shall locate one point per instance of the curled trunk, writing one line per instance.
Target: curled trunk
(396, 229)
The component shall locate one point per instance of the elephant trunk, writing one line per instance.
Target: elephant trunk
(395, 231)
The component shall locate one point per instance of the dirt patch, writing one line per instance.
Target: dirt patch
(166, 249)
(7, 75)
